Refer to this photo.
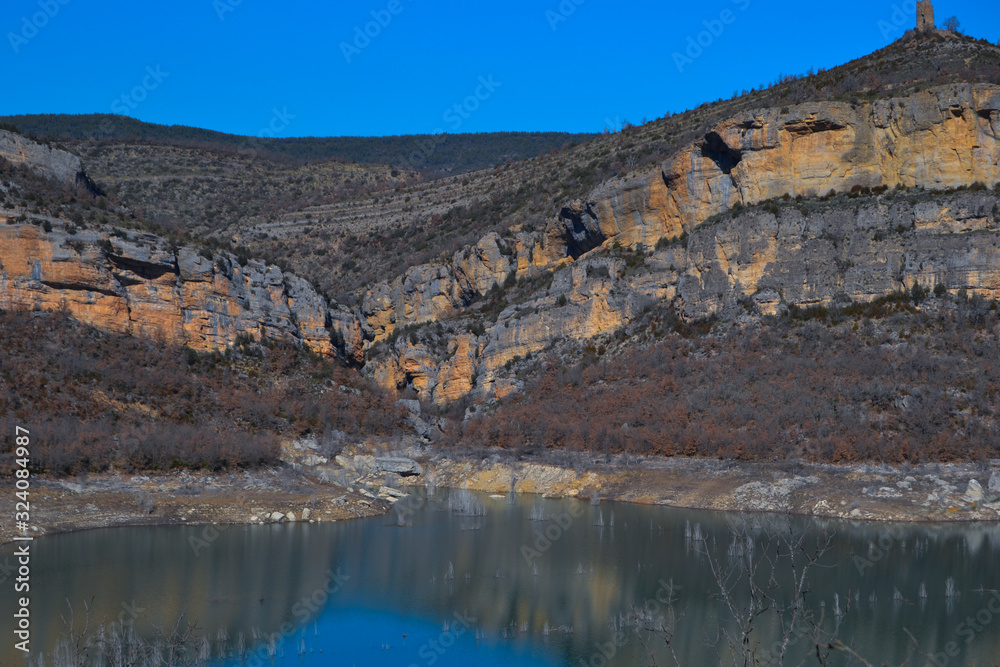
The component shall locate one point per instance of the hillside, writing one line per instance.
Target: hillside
(345, 227)
(99, 401)
(205, 193)
(844, 197)
(444, 153)
(911, 377)
(430, 220)
(830, 219)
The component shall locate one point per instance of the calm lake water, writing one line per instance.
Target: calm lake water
(436, 586)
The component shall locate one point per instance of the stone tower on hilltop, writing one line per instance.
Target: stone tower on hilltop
(925, 16)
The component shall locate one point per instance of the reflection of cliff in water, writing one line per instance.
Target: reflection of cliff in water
(569, 589)
(589, 578)
(245, 579)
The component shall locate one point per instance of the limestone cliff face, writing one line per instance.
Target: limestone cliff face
(941, 138)
(592, 270)
(840, 253)
(582, 301)
(430, 292)
(944, 137)
(53, 163)
(804, 255)
(141, 285)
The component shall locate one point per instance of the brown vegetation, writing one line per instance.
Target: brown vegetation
(95, 401)
(884, 381)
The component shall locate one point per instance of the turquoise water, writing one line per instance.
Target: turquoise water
(439, 587)
(362, 636)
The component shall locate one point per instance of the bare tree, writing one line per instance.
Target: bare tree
(662, 628)
(118, 644)
(762, 572)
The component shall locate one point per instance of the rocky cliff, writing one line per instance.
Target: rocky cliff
(943, 137)
(142, 285)
(50, 162)
(759, 261)
(740, 220)
(791, 254)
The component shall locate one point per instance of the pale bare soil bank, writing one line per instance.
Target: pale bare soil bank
(365, 481)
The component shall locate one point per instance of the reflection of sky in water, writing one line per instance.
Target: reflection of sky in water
(562, 607)
(359, 636)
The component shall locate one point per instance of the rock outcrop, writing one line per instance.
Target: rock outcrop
(430, 292)
(805, 254)
(942, 138)
(974, 492)
(398, 465)
(836, 253)
(142, 285)
(51, 162)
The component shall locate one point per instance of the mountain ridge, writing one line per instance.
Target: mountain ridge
(445, 152)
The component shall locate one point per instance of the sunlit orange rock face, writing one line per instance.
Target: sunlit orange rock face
(941, 138)
(142, 286)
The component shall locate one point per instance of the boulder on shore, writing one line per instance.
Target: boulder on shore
(401, 466)
(974, 492)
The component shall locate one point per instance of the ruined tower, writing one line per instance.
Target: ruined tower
(925, 16)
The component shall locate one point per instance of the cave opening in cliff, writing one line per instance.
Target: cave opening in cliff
(716, 149)
(580, 236)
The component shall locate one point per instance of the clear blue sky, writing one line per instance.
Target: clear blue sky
(229, 64)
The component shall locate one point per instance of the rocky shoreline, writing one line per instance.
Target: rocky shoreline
(184, 498)
(361, 484)
(857, 492)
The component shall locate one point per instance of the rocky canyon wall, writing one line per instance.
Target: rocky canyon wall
(597, 265)
(143, 286)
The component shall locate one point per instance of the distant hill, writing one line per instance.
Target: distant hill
(449, 153)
